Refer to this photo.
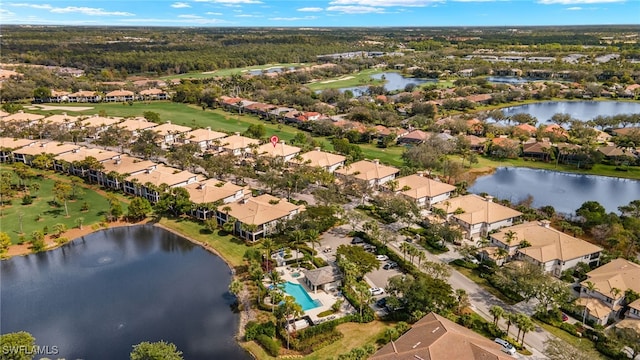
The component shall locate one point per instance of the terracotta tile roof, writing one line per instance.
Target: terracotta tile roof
(137, 124)
(479, 97)
(53, 148)
(234, 142)
(319, 158)
(163, 175)
(627, 130)
(22, 116)
(198, 135)
(619, 273)
(127, 165)
(262, 209)
(61, 119)
(612, 151)
(477, 209)
(527, 127)
(547, 243)
(503, 141)
(595, 306)
(367, 170)
(635, 305)
(417, 135)
(11, 143)
(211, 190)
(280, 150)
(474, 140)
(97, 121)
(421, 186)
(117, 93)
(537, 147)
(154, 91)
(82, 153)
(437, 338)
(169, 128)
(85, 93)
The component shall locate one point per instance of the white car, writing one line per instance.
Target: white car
(506, 347)
(376, 291)
(382, 257)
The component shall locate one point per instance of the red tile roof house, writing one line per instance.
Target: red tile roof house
(604, 301)
(154, 94)
(119, 96)
(538, 150)
(414, 137)
(84, 96)
(478, 216)
(260, 109)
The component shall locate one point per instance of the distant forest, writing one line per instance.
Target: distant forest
(163, 51)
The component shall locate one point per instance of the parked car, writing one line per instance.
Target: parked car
(565, 317)
(472, 260)
(382, 257)
(356, 240)
(382, 302)
(370, 248)
(327, 249)
(506, 346)
(376, 291)
(390, 265)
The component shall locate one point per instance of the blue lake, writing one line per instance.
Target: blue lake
(581, 110)
(96, 297)
(566, 192)
(393, 81)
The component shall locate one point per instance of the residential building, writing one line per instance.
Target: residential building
(67, 162)
(279, 151)
(317, 158)
(84, 96)
(414, 137)
(114, 171)
(26, 153)
(421, 189)
(238, 145)
(212, 191)
(477, 215)
(119, 96)
(540, 244)
(610, 282)
(171, 133)
(63, 121)
(437, 338)
(371, 172)
(147, 184)
(97, 124)
(154, 94)
(205, 138)
(257, 217)
(22, 117)
(8, 145)
(137, 125)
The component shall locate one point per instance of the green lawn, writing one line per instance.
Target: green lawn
(359, 79)
(231, 249)
(585, 345)
(390, 155)
(228, 72)
(42, 213)
(473, 276)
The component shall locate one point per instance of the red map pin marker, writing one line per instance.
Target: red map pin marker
(274, 140)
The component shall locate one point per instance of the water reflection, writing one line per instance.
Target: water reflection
(97, 297)
(393, 82)
(581, 110)
(566, 192)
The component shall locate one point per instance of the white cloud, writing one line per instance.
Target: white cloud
(89, 11)
(187, 22)
(180, 5)
(4, 13)
(213, 13)
(356, 9)
(574, 8)
(374, 3)
(33, 6)
(248, 16)
(293, 18)
(311, 9)
(573, 2)
(189, 17)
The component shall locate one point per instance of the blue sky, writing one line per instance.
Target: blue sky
(312, 13)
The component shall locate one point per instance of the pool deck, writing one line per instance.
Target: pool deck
(326, 299)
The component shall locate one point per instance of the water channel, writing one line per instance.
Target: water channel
(581, 110)
(566, 192)
(97, 296)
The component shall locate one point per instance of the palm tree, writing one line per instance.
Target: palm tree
(267, 245)
(421, 256)
(287, 309)
(510, 318)
(463, 300)
(391, 333)
(405, 248)
(510, 236)
(297, 237)
(313, 237)
(591, 287)
(497, 312)
(526, 325)
(615, 292)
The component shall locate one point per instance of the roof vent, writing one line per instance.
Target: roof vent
(434, 330)
(417, 344)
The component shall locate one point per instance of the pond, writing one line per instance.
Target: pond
(581, 110)
(566, 192)
(393, 81)
(97, 296)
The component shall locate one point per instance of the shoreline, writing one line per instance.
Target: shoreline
(246, 315)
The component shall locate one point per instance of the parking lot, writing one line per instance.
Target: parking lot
(332, 239)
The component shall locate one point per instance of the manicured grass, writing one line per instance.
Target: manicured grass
(49, 215)
(585, 345)
(473, 276)
(390, 155)
(231, 249)
(355, 335)
(228, 72)
(348, 80)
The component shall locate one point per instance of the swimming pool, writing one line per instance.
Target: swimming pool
(300, 294)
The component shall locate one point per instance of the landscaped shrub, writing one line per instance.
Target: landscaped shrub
(318, 262)
(27, 200)
(326, 313)
(570, 328)
(609, 349)
(271, 346)
(465, 264)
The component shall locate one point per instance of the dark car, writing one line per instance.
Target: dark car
(356, 241)
(381, 302)
(390, 265)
